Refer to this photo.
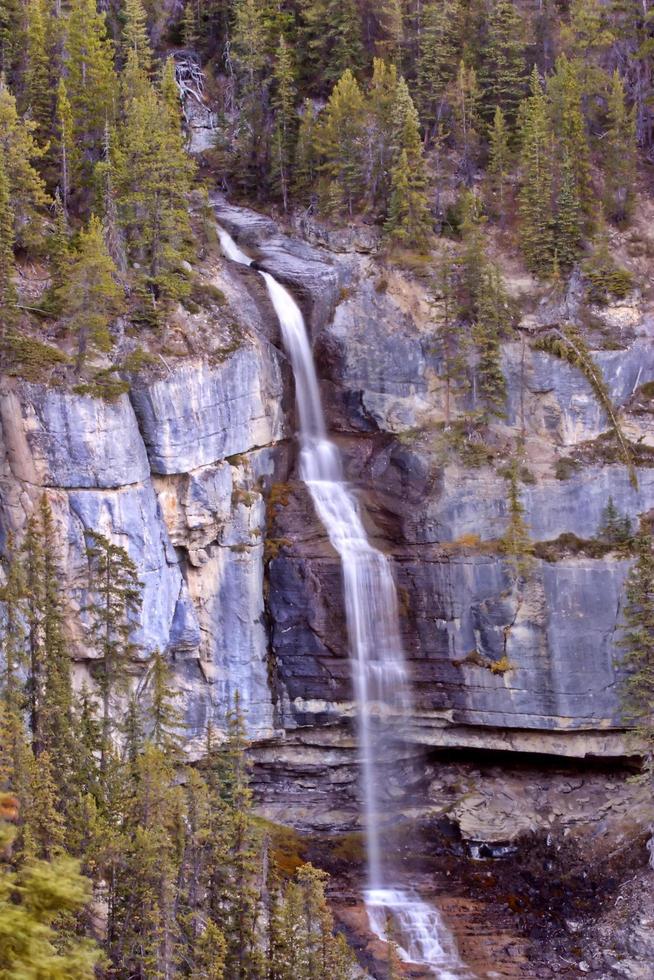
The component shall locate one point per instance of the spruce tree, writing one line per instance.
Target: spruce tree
(38, 78)
(8, 294)
(115, 600)
(284, 134)
(491, 324)
(638, 640)
(331, 40)
(340, 141)
(388, 104)
(499, 164)
(503, 74)
(465, 105)
(90, 81)
(535, 208)
(26, 188)
(438, 54)
(65, 149)
(306, 153)
(91, 298)
(619, 155)
(568, 222)
(450, 339)
(34, 902)
(516, 542)
(569, 125)
(152, 179)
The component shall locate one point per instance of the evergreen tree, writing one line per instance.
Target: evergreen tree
(516, 543)
(135, 39)
(306, 153)
(491, 323)
(38, 79)
(499, 164)
(14, 660)
(250, 55)
(614, 527)
(341, 144)
(388, 105)
(568, 225)
(438, 55)
(331, 39)
(283, 102)
(66, 150)
(535, 198)
(450, 340)
(115, 601)
(26, 188)
(8, 295)
(91, 297)
(503, 74)
(569, 125)
(59, 248)
(12, 33)
(619, 155)
(465, 104)
(164, 717)
(152, 179)
(33, 902)
(638, 640)
(90, 81)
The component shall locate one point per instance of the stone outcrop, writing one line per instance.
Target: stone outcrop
(194, 474)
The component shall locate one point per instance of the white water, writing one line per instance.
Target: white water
(380, 680)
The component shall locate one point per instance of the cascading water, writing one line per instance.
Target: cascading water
(380, 680)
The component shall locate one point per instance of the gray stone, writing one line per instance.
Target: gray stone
(200, 413)
(57, 438)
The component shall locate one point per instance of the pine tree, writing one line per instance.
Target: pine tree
(59, 247)
(619, 155)
(38, 79)
(12, 37)
(33, 558)
(90, 81)
(331, 40)
(250, 57)
(491, 324)
(499, 164)
(34, 901)
(306, 153)
(91, 297)
(8, 294)
(535, 198)
(450, 339)
(58, 735)
(389, 40)
(614, 527)
(115, 601)
(503, 75)
(340, 141)
(135, 39)
(568, 222)
(516, 543)
(283, 102)
(26, 188)
(438, 55)
(638, 640)
(164, 716)
(569, 125)
(66, 150)
(388, 104)
(465, 105)
(14, 660)
(152, 179)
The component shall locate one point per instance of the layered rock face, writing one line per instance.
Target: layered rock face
(193, 473)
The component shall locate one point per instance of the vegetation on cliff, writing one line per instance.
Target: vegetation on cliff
(118, 857)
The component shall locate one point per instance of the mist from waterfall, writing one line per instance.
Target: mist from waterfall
(379, 669)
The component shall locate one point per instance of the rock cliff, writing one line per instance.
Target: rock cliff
(193, 471)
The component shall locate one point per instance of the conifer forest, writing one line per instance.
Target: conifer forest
(326, 489)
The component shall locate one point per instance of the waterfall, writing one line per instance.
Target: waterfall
(379, 670)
